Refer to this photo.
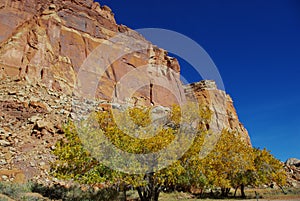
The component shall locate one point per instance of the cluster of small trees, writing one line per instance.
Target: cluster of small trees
(231, 164)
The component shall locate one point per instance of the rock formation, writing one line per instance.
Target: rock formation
(45, 47)
(292, 167)
(224, 114)
(48, 41)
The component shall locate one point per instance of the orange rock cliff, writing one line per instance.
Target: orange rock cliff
(44, 44)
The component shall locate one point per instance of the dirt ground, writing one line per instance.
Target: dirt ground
(265, 197)
(272, 199)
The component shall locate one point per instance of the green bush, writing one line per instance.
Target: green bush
(55, 192)
(74, 193)
(14, 191)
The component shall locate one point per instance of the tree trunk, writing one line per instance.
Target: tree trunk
(243, 191)
(156, 194)
(227, 191)
(201, 193)
(151, 191)
(282, 189)
(236, 188)
(140, 192)
(146, 195)
(211, 193)
(124, 194)
(223, 192)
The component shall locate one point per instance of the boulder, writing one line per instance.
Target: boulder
(293, 161)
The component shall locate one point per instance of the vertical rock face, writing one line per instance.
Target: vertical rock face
(52, 43)
(48, 41)
(224, 114)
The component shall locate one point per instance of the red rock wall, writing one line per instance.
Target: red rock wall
(48, 42)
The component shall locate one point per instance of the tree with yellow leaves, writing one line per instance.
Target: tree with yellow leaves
(124, 148)
(235, 164)
(230, 159)
(268, 168)
(81, 156)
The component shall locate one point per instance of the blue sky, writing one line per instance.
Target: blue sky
(256, 47)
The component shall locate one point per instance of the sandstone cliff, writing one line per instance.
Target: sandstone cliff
(224, 114)
(43, 47)
(48, 41)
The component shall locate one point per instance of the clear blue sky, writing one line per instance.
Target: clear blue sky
(256, 47)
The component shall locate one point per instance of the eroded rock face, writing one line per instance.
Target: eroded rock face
(292, 167)
(293, 161)
(47, 47)
(48, 41)
(224, 114)
(31, 121)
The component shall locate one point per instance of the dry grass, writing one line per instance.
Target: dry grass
(263, 195)
(24, 192)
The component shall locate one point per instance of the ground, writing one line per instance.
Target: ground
(29, 192)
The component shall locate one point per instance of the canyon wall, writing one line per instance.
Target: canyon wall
(46, 61)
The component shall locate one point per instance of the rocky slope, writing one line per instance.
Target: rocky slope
(45, 46)
(31, 120)
(292, 167)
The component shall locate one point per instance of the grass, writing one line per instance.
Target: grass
(14, 191)
(34, 192)
(268, 193)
